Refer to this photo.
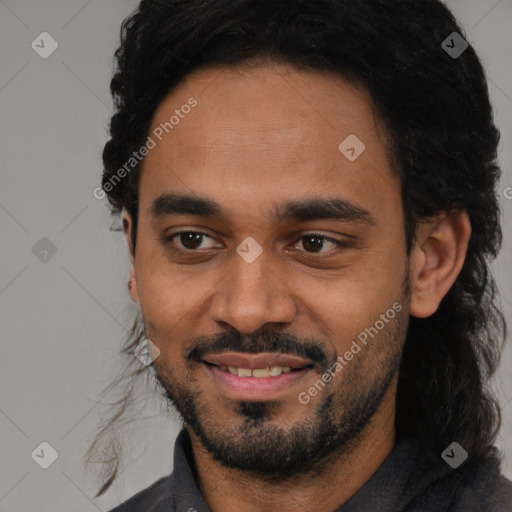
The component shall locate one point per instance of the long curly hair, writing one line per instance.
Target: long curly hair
(443, 144)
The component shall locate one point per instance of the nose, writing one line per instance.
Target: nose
(251, 296)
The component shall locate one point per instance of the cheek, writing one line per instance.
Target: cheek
(166, 304)
(352, 301)
(164, 299)
(162, 287)
(372, 278)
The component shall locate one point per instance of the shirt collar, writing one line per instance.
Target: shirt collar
(188, 497)
(383, 491)
(386, 488)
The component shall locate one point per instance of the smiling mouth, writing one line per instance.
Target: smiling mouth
(260, 376)
(268, 371)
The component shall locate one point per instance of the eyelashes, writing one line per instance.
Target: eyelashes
(199, 236)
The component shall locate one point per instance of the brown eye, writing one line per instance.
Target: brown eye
(189, 240)
(314, 243)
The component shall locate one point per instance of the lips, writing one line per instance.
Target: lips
(261, 360)
(243, 387)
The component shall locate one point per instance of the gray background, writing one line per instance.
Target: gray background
(63, 321)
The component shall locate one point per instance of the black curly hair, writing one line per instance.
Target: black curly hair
(443, 144)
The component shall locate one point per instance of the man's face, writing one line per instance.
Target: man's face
(257, 141)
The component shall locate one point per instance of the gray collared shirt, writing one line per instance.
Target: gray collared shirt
(409, 480)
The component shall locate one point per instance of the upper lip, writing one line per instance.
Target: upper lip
(260, 360)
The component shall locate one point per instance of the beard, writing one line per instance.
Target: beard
(262, 441)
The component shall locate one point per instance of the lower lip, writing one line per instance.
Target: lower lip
(243, 388)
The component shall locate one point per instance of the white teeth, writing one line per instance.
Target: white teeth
(275, 371)
(261, 372)
(272, 371)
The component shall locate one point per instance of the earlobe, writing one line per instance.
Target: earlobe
(132, 286)
(437, 259)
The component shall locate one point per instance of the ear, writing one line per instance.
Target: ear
(437, 259)
(132, 281)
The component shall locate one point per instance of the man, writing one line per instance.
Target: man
(307, 190)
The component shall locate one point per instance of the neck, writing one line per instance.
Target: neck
(229, 490)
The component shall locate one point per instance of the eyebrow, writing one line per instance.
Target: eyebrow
(298, 210)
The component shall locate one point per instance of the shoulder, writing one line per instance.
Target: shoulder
(504, 495)
(155, 498)
(484, 488)
(475, 487)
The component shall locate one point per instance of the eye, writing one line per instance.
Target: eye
(314, 243)
(193, 241)
(190, 240)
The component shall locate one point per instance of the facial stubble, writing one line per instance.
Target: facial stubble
(256, 437)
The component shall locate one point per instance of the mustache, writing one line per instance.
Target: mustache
(265, 341)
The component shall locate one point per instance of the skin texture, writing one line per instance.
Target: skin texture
(257, 138)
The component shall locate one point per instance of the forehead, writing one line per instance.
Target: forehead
(267, 132)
